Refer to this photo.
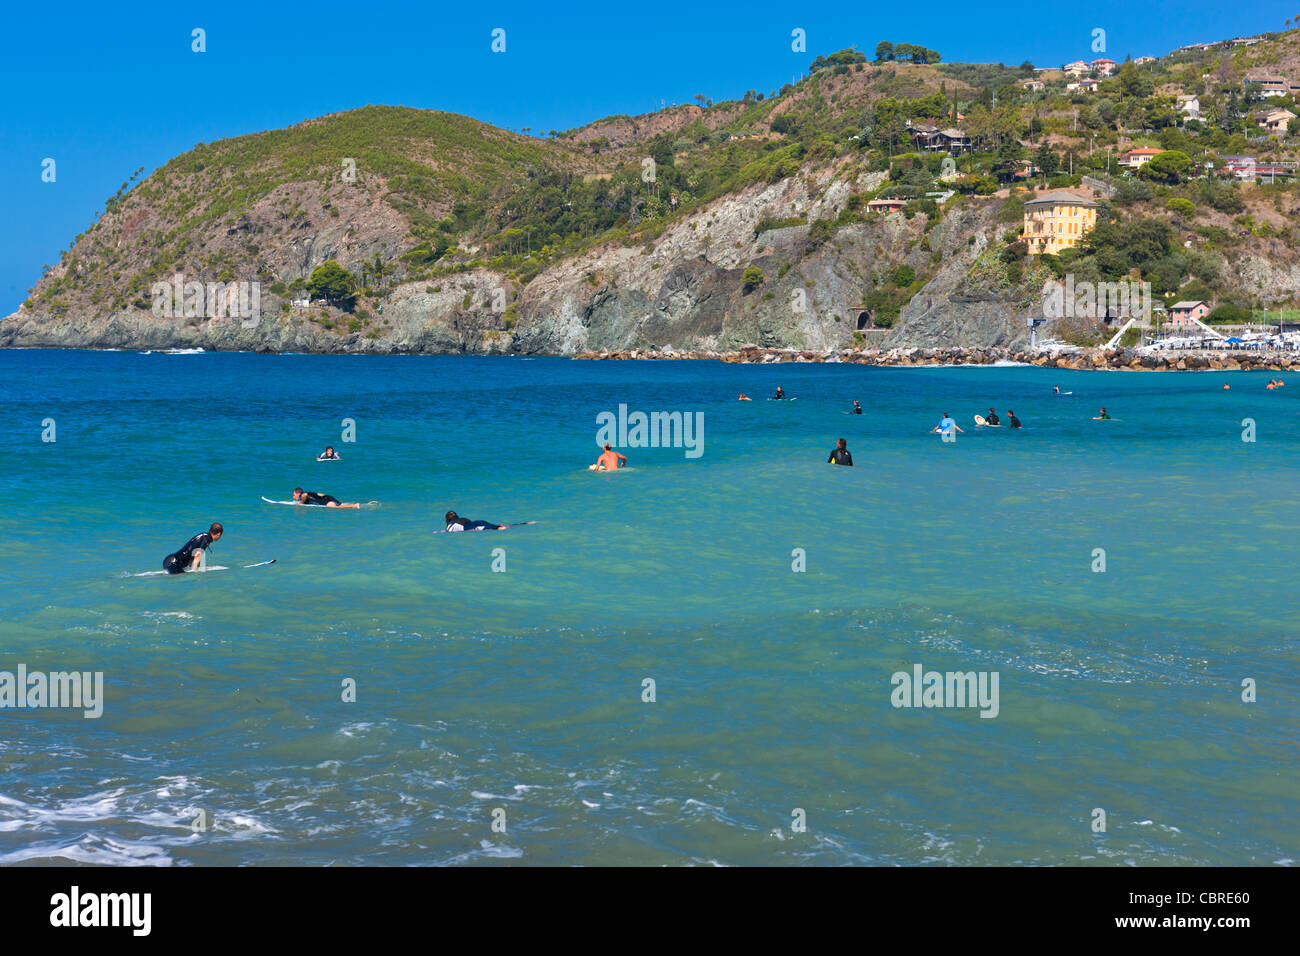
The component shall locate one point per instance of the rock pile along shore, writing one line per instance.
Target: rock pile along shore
(1068, 359)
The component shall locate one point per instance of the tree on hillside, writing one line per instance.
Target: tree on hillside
(884, 51)
(331, 282)
(1184, 210)
(1167, 168)
(1047, 160)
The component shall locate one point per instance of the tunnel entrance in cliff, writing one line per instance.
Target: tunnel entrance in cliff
(864, 320)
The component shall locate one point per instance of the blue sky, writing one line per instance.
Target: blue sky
(104, 90)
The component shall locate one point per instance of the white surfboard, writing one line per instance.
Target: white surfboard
(202, 570)
(303, 504)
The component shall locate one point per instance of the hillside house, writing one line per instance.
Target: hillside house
(1103, 66)
(1144, 60)
(1083, 86)
(1274, 121)
(1239, 167)
(1190, 107)
(1182, 314)
(932, 139)
(1270, 84)
(1032, 85)
(1057, 220)
(1135, 159)
(1077, 68)
(886, 206)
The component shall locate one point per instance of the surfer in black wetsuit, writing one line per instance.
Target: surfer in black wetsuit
(315, 498)
(456, 523)
(780, 393)
(992, 418)
(1015, 422)
(840, 454)
(857, 409)
(329, 454)
(189, 557)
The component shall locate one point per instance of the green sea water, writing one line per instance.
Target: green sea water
(502, 677)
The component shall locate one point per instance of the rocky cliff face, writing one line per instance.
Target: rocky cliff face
(684, 290)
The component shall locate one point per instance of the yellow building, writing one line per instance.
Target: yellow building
(1057, 220)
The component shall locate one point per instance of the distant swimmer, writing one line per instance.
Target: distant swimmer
(315, 498)
(456, 523)
(1103, 417)
(780, 393)
(329, 454)
(992, 418)
(744, 398)
(840, 454)
(1011, 417)
(609, 460)
(190, 557)
(946, 425)
(1226, 385)
(857, 409)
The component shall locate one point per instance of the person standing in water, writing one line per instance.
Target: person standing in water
(946, 424)
(189, 557)
(857, 409)
(1011, 416)
(609, 460)
(840, 454)
(780, 393)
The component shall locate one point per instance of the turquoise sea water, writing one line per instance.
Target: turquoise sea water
(522, 690)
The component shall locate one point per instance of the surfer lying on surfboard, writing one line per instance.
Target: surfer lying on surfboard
(315, 498)
(190, 556)
(329, 454)
(1103, 417)
(456, 523)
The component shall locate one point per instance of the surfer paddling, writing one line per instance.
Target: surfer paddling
(329, 454)
(456, 523)
(315, 498)
(190, 557)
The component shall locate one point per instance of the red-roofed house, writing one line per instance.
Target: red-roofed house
(1103, 66)
(1137, 158)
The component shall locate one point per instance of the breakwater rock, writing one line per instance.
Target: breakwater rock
(1067, 358)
